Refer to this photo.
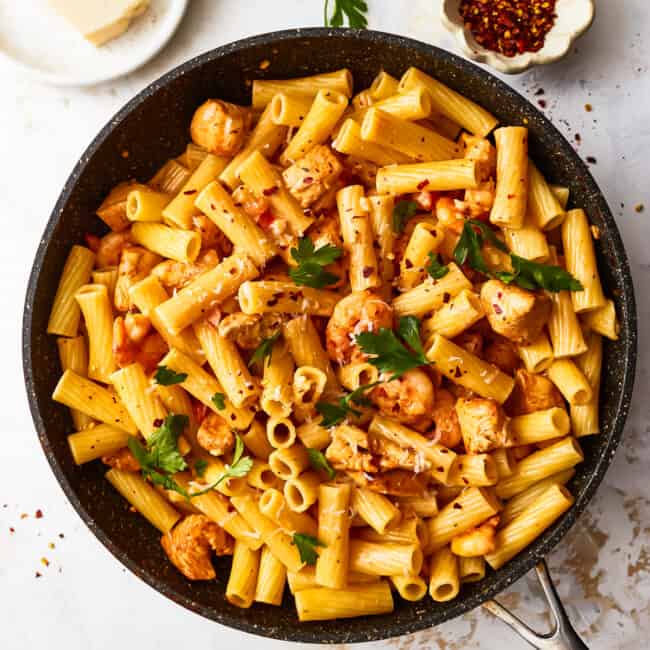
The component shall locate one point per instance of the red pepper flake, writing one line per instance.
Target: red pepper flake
(189, 192)
(578, 137)
(542, 103)
(270, 191)
(510, 27)
(589, 108)
(308, 180)
(539, 91)
(39, 514)
(45, 561)
(423, 184)
(368, 271)
(12, 530)
(24, 515)
(61, 535)
(38, 575)
(497, 309)
(639, 208)
(591, 160)
(157, 423)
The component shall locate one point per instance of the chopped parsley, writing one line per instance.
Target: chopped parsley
(354, 10)
(200, 466)
(307, 547)
(167, 377)
(219, 400)
(334, 414)
(434, 268)
(319, 462)
(264, 350)
(402, 212)
(311, 261)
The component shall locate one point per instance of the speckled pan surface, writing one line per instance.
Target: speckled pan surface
(153, 127)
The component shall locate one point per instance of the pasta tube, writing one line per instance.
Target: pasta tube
(277, 296)
(271, 578)
(334, 533)
(444, 578)
(240, 590)
(73, 355)
(173, 243)
(438, 176)
(96, 442)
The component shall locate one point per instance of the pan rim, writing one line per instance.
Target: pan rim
(365, 629)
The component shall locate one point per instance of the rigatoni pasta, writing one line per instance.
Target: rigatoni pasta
(324, 342)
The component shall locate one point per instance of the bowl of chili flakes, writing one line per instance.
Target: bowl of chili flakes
(514, 35)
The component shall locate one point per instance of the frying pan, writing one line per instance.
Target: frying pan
(154, 127)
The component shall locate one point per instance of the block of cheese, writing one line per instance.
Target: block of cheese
(100, 21)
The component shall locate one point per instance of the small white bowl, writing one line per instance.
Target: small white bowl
(574, 17)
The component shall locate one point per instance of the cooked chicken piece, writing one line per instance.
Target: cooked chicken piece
(220, 127)
(398, 482)
(532, 393)
(363, 311)
(310, 177)
(133, 340)
(112, 211)
(108, 249)
(476, 542)
(481, 151)
(215, 435)
(470, 341)
(407, 399)
(515, 313)
(248, 331)
(483, 424)
(326, 231)
(361, 171)
(446, 428)
(176, 275)
(135, 265)
(252, 204)
(478, 202)
(189, 543)
(123, 460)
(503, 354)
(350, 450)
(391, 456)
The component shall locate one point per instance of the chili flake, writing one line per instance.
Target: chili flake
(510, 27)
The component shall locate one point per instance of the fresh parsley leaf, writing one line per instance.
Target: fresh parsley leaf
(310, 271)
(354, 10)
(264, 350)
(161, 458)
(402, 212)
(307, 547)
(468, 249)
(532, 275)
(489, 235)
(219, 400)
(200, 466)
(388, 353)
(409, 330)
(167, 377)
(434, 268)
(334, 414)
(239, 467)
(319, 462)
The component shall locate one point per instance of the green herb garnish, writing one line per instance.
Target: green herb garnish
(219, 400)
(200, 466)
(319, 462)
(435, 268)
(167, 377)
(353, 10)
(402, 212)
(161, 458)
(334, 414)
(307, 547)
(264, 350)
(311, 262)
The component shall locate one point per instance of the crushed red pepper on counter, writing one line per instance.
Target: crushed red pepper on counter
(510, 27)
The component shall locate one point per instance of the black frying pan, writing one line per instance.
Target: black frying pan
(154, 127)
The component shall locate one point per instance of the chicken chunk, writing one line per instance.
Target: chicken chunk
(220, 127)
(350, 450)
(478, 541)
(254, 205)
(483, 424)
(407, 399)
(502, 354)
(515, 313)
(391, 456)
(108, 249)
(482, 152)
(532, 393)
(123, 460)
(446, 429)
(189, 544)
(248, 331)
(310, 177)
(215, 435)
(176, 275)
(135, 264)
(134, 341)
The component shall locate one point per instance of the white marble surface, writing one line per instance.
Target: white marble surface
(85, 599)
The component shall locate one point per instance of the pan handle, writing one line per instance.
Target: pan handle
(562, 637)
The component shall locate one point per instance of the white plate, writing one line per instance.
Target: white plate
(45, 45)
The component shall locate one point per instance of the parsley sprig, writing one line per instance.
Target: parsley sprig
(264, 350)
(167, 377)
(334, 414)
(306, 545)
(387, 351)
(435, 268)
(525, 273)
(354, 10)
(310, 271)
(318, 461)
(402, 212)
(219, 400)
(161, 458)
